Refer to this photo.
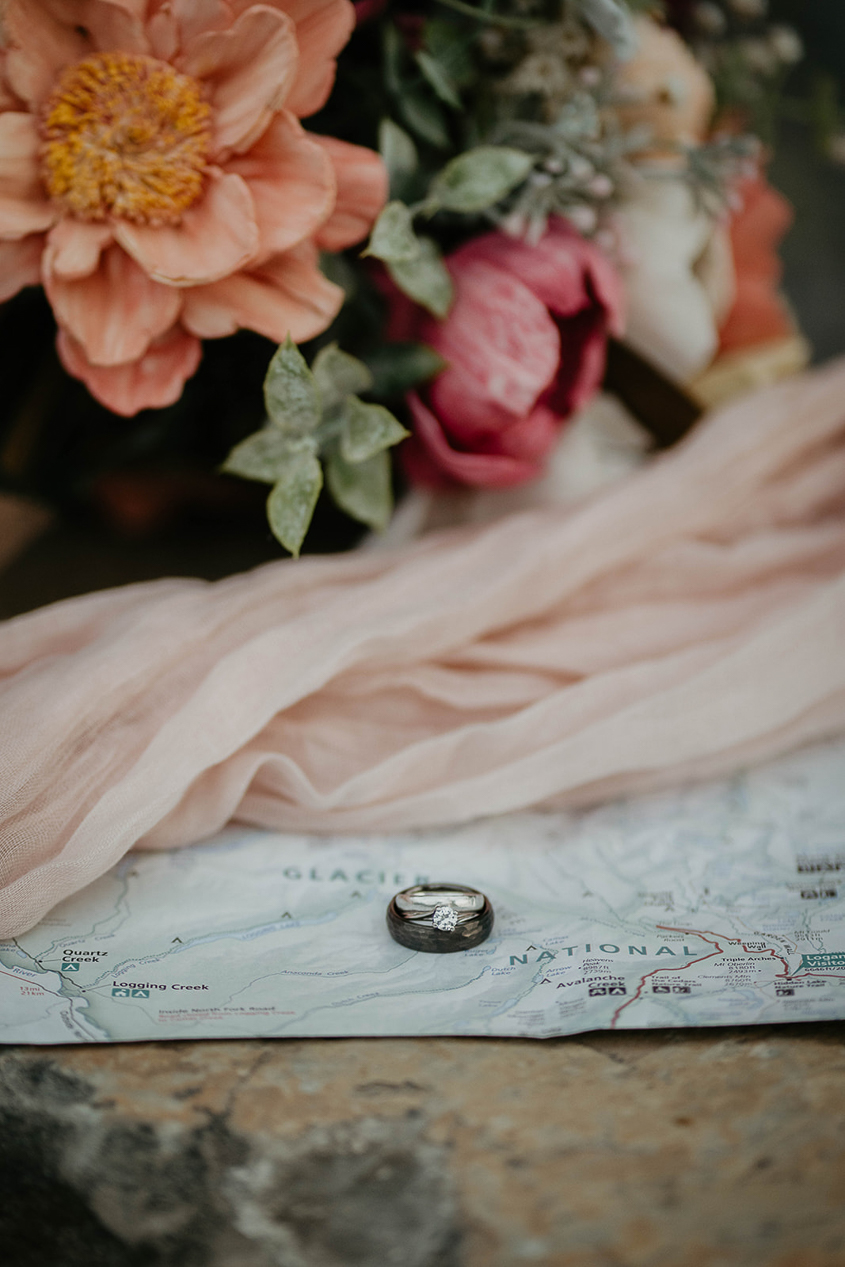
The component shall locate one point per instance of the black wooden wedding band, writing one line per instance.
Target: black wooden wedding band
(440, 918)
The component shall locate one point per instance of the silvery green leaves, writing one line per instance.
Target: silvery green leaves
(414, 263)
(426, 82)
(425, 278)
(397, 367)
(357, 460)
(291, 394)
(611, 19)
(393, 238)
(362, 489)
(293, 499)
(312, 414)
(446, 61)
(471, 183)
(439, 79)
(419, 108)
(261, 456)
(292, 466)
(400, 157)
(478, 179)
(367, 430)
(338, 375)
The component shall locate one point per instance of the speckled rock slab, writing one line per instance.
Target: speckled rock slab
(670, 1149)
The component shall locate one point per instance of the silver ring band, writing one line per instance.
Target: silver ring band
(440, 918)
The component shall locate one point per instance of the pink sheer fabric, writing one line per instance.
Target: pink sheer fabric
(688, 620)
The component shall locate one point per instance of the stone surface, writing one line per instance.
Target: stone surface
(660, 1149)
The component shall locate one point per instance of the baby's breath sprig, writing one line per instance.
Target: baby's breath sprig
(713, 170)
(581, 163)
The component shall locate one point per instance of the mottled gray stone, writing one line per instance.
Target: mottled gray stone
(720, 1148)
(88, 1181)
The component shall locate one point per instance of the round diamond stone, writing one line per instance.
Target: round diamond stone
(445, 919)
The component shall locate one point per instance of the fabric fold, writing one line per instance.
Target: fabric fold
(683, 622)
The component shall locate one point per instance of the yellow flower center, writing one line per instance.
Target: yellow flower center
(125, 136)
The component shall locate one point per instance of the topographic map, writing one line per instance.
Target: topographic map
(719, 905)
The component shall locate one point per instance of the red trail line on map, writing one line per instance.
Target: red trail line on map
(36, 984)
(679, 967)
(717, 938)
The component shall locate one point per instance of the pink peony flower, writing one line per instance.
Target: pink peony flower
(525, 345)
(155, 177)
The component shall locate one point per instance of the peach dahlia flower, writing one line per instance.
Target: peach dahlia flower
(155, 177)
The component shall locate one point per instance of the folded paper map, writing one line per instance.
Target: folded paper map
(718, 905)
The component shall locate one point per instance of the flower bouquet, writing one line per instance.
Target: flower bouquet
(490, 213)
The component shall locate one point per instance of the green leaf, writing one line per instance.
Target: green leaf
(290, 392)
(479, 178)
(425, 279)
(439, 78)
(263, 456)
(397, 367)
(484, 13)
(367, 429)
(447, 43)
(393, 53)
(612, 21)
(426, 118)
(290, 505)
(393, 236)
(362, 489)
(399, 154)
(339, 375)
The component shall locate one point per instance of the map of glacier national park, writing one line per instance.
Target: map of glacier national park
(718, 905)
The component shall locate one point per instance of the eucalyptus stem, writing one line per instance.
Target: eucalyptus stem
(492, 19)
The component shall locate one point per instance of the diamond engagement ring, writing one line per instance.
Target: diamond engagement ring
(440, 918)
